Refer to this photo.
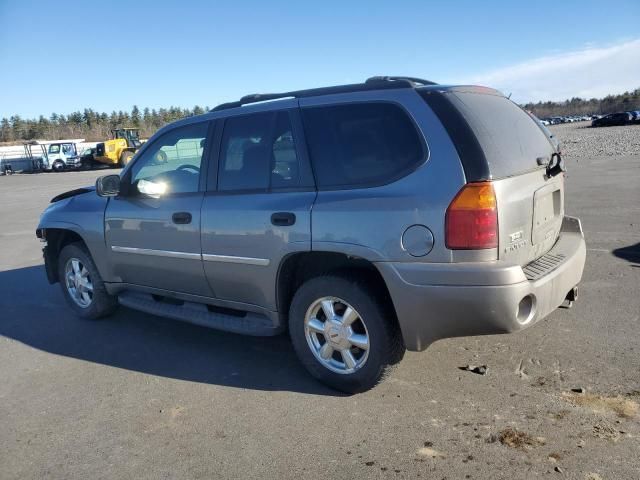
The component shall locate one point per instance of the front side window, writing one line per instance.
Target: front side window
(172, 163)
(361, 144)
(258, 153)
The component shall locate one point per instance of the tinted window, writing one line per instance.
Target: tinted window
(285, 171)
(174, 159)
(509, 137)
(258, 152)
(361, 144)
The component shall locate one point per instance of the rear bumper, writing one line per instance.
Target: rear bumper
(435, 301)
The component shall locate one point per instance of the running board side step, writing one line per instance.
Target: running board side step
(197, 313)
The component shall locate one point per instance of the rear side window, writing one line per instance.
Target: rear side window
(258, 152)
(361, 144)
(510, 139)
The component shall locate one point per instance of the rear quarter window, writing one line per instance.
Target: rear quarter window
(510, 139)
(361, 144)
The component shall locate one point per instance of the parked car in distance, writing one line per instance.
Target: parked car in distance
(87, 157)
(53, 156)
(438, 211)
(613, 119)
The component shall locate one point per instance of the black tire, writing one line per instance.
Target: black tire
(102, 304)
(125, 158)
(57, 166)
(386, 347)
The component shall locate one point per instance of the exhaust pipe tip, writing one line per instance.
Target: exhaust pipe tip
(572, 296)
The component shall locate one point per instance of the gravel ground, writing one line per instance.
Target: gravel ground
(579, 140)
(137, 396)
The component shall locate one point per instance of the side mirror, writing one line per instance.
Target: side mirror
(108, 186)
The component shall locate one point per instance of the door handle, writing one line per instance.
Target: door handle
(181, 218)
(283, 219)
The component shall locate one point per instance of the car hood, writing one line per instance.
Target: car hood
(72, 193)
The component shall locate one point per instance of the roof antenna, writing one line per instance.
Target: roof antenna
(509, 97)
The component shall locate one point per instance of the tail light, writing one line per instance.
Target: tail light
(471, 221)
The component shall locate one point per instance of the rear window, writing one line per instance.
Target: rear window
(510, 139)
(361, 144)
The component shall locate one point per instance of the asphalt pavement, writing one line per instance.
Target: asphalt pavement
(137, 396)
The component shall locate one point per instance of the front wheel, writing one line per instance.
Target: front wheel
(57, 167)
(344, 333)
(82, 285)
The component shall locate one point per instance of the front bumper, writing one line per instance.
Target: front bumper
(435, 301)
(73, 162)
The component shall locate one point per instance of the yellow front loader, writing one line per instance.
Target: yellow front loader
(118, 151)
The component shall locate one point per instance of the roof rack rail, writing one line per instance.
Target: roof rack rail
(373, 83)
(254, 98)
(413, 80)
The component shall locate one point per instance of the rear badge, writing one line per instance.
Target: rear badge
(515, 236)
(515, 242)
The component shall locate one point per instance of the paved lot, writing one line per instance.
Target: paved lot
(137, 396)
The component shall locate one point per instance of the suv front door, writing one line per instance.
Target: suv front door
(257, 209)
(153, 229)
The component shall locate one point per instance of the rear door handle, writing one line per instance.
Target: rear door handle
(181, 218)
(283, 219)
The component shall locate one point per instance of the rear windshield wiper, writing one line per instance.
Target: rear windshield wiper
(554, 166)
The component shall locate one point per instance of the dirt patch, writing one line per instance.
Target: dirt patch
(555, 457)
(516, 439)
(430, 452)
(592, 476)
(561, 415)
(621, 406)
(607, 431)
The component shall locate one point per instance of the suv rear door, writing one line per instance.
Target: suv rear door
(257, 208)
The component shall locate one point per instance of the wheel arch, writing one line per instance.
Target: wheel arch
(57, 239)
(297, 268)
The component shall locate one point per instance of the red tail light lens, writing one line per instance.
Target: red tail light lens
(471, 222)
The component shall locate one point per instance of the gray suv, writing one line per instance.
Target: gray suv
(364, 219)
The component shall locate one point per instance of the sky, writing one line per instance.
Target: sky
(62, 56)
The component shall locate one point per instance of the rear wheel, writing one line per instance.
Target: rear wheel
(82, 285)
(125, 157)
(344, 333)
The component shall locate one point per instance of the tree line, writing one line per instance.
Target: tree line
(96, 126)
(581, 106)
(91, 125)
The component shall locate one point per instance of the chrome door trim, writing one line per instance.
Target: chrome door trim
(157, 253)
(263, 262)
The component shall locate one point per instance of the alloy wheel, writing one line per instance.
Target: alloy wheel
(336, 335)
(78, 282)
